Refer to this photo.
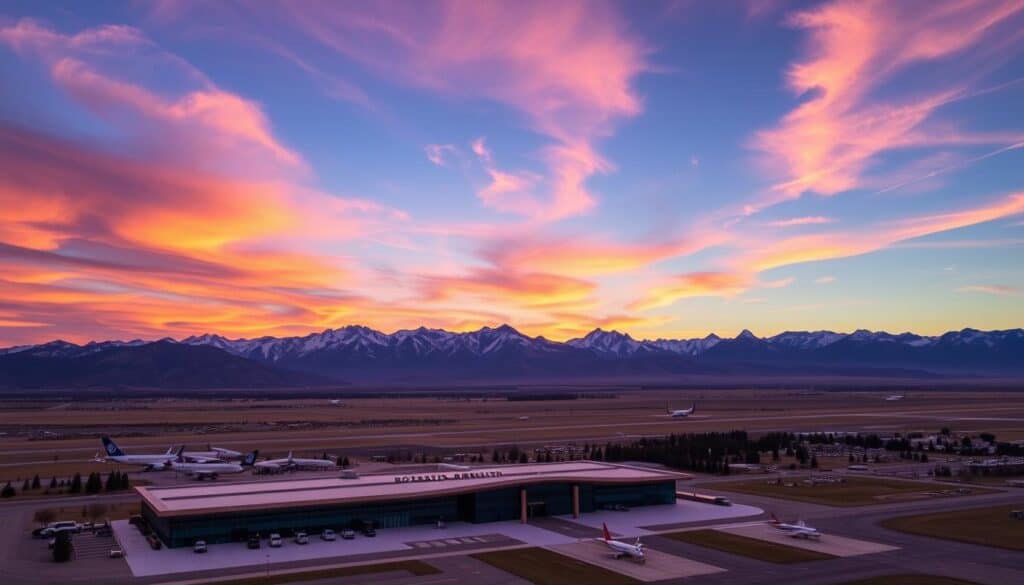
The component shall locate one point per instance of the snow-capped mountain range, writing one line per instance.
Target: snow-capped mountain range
(357, 353)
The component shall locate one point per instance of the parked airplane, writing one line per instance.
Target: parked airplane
(114, 453)
(894, 398)
(290, 462)
(798, 530)
(210, 470)
(683, 412)
(213, 455)
(622, 549)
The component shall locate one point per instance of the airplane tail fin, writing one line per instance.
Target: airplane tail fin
(179, 456)
(290, 456)
(693, 408)
(774, 519)
(250, 459)
(111, 447)
(607, 535)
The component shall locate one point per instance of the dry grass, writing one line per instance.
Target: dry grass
(991, 526)
(544, 567)
(748, 547)
(855, 491)
(418, 568)
(312, 426)
(910, 580)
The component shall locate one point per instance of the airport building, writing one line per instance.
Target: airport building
(232, 511)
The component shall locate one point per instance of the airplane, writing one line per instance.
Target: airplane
(894, 398)
(151, 462)
(335, 402)
(213, 455)
(290, 462)
(622, 549)
(681, 413)
(202, 471)
(798, 530)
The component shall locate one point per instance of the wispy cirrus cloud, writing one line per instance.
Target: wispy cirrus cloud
(439, 154)
(828, 143)
(805, 220)
(992, 289)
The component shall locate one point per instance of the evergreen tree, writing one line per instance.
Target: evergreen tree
(8, 491)
(35, 482)
(53, 482)
(25, 485)
(76, 484)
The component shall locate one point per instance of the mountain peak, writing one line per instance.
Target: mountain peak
(746, 334)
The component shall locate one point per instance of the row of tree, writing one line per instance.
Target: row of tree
(94, 484)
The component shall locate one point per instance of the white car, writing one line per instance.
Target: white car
(275, 540)
(348, 534)
(328, 535)
(301, 538)
(199, 546)
(55, 527)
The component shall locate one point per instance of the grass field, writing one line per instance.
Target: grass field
(544, 567)
(991, 526)
(855, 491)
(53, 437)
(748, 547)
(910, 580)
(418, 568)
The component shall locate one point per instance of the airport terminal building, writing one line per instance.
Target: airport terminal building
(232, 511)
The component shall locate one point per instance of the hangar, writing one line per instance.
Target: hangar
(232, 511)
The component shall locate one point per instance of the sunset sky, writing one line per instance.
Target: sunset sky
(667, 169)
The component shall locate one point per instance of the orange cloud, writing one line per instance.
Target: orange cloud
(806, 220)
(694, 284)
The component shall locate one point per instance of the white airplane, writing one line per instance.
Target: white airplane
(290, 462)
(335, 402)
(798, 530)
(894, 398)
(622, 549)
(114, 453)
(682, 412)
(213, 455)
(209, 470)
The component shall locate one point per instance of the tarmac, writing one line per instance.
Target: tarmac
(659, 566)
(830, 544)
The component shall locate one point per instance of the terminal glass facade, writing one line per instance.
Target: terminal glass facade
(542, 499)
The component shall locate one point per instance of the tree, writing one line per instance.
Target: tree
(35, 482)
(62, 547)
(125, 482)
(44, 516)
(76, 484)
(94, 484)
(345, 462)
(524, 458)
(8, 491)
(53, 482)
(25, 485)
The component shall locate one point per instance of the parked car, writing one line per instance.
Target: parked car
(348, 534)
(55, 527)
(301, 538)
(369, 530)
(275, 540)
(199, 546)
(116, 553)
(254, 541)
(328, 535)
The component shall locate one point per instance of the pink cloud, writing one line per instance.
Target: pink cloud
(827, 144)
(807, 220)
(439, 153)
(567, 67)
(992, 289)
